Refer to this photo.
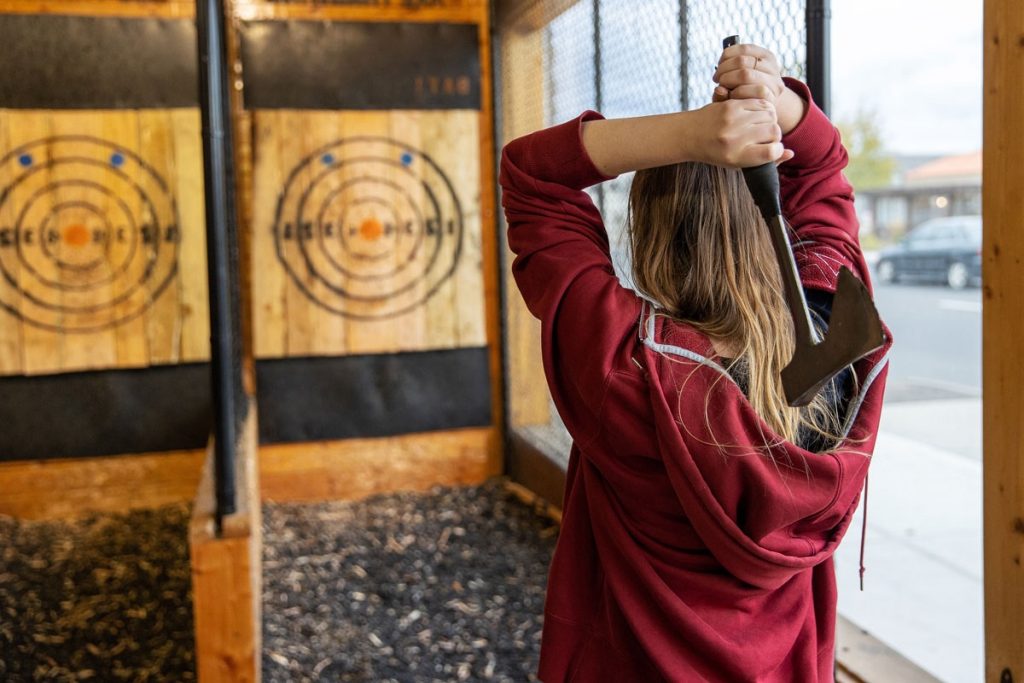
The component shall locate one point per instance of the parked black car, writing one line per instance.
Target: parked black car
(944, 249)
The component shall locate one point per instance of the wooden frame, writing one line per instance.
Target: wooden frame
(480, 452)
(227, 571)
(1003, 340)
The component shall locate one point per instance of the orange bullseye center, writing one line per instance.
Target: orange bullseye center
(76, 235)
(371, 229)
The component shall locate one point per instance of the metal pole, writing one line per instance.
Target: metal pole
(819, 47)
(221, 246)
(598, 95)
(684, 56)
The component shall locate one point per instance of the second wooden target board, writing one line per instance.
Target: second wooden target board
(367, 231)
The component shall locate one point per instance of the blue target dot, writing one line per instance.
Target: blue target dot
(25, 160)
(406, 159)
(116, 159)
(327, 159)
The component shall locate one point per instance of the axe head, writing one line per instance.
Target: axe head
(854, 331)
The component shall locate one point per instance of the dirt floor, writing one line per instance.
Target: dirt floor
(446, 585)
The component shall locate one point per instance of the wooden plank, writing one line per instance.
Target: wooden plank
(225, 610)
(226, 571)
(355, 468)
(10, 323)
(529, 15)
(490, 246)
(456, 11)
(1003, 340)
(189, 193)
(83, 350)
(268, 277)
(408, 127)
(123, 8)
(41, 348)
(522, 76)
(301, 316)
(441, 311)
(375, 335)
(131, 339)
(163, 321)
(330, 330)
(57, 489)
(453, 140)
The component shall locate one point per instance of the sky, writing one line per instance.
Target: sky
(917, 64)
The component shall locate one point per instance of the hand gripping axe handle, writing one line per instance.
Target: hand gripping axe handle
(854, 330)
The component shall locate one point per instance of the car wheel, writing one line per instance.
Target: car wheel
(957, 275)
(886, 272)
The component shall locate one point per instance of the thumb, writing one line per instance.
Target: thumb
(787, 154)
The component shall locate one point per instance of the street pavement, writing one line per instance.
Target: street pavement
(923, 584)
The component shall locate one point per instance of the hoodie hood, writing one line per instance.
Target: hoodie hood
(764, 511)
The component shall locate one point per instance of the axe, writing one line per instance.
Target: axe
(854, 330)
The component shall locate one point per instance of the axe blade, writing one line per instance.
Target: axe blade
(854, 331)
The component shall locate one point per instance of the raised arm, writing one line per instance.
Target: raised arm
(562, 263)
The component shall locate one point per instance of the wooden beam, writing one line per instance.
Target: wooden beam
(355, 468)
(62, 489)
(522, 98)
(226, 572)
(100, 8)
(528, 15)
(1003, 340)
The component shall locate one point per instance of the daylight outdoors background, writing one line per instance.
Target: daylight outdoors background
(907, 92)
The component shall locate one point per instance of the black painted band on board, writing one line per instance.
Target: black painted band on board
(351, 65)
(107, 412)
(164, 408)
(75, 62)
(322, 398)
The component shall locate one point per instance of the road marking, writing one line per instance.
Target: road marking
(960, 305)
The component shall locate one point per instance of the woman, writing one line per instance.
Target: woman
(701, 512)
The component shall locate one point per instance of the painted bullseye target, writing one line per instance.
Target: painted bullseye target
(368, 227)
(88, 234)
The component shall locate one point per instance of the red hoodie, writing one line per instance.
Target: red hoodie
(678, 560)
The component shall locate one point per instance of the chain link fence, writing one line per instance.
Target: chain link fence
(629, 58)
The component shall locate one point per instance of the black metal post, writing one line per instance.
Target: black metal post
(684, 55)
(229, 406)
(819, 47)
(598, 95)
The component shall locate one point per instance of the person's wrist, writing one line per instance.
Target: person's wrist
(790, 109)
(688, 125)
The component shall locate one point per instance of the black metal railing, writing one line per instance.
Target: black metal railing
(229, 400)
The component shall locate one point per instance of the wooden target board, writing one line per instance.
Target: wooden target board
(366, 210)
(367, 232)
(94, 240)
(102, 244)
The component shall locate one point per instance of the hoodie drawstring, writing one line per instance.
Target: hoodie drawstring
(863, 531)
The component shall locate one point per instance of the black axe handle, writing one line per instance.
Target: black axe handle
(763, 183)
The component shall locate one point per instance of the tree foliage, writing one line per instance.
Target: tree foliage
(870, 165)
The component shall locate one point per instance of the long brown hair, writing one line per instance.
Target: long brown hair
(702, 252)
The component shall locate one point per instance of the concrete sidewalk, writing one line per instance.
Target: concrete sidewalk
(923, 591)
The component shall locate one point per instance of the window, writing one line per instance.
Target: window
(923, 585)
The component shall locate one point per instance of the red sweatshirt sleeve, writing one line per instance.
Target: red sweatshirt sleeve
(817, 200)
(563, 267)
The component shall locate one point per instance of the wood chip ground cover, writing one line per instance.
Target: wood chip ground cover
(445, 585)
